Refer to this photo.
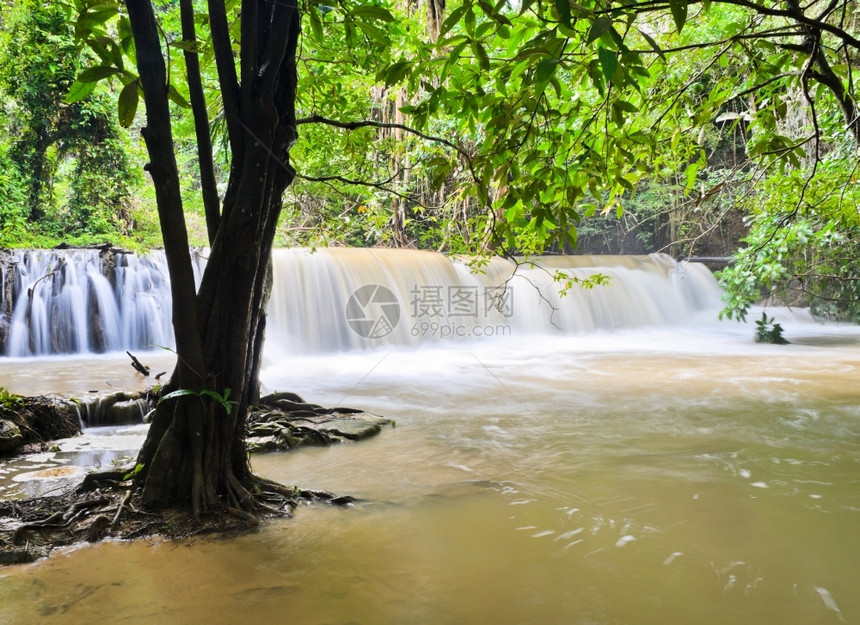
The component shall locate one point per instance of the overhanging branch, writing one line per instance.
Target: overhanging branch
(367, 123)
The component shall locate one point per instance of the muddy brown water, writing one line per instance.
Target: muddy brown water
(647, 477)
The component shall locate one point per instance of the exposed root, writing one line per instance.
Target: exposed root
(119, 510)
(247, 517)
(59, 520)
(29, 529)
(240, 492)
(114, 503)
(103, 479)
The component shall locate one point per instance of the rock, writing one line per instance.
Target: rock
(10, 436)
(271, 430)
(274, 397)
(20, 555)
(118, 408)
(354, 429)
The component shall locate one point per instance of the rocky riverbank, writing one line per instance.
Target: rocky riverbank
(105, 505)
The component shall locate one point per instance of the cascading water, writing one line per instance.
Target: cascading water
(669, 470)
(81, 301)
(344, 299)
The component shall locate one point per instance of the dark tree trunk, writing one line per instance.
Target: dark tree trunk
(195, 451)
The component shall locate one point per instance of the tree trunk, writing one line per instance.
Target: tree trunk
(195, 451)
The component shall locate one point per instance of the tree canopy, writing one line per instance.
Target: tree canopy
(520, 127)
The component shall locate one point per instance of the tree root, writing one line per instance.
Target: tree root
(59, 520)
(119, 510)
(29, 529)
(249, 519)
(103, 479)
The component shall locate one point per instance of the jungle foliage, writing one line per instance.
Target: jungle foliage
(509, 127)
(66, 172)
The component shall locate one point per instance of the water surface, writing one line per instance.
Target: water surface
(647, 477)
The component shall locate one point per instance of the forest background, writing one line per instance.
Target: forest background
(712, 129)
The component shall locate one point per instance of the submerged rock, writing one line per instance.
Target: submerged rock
(284, 421)
(354, 427)
(10, 436)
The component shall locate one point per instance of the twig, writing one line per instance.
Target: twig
(125, 499)
(138, 366)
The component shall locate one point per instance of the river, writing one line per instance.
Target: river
(650, 476)
(644, 466)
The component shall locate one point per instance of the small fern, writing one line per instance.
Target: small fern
(768, 331)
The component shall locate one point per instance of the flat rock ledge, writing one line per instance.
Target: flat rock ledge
(281, 421)
(284, 421)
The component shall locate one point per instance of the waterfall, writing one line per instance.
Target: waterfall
(343, 298)
(80, 301)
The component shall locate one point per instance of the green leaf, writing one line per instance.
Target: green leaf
(182, 392)
(137, 469)
(94, 74)
(594, 73)
(626, 106)
(690, 173)
(95, 16)
(108, 50)
(469, 20)
(451, 20)
(373, 32)
(188, 46)
(79, 90)
(481, 54)
(453, 57)
(608, 62)
(395, 72)
(372, 12)
(545, 69)
(563, 7)
(127, 104)
(653, 44)
(126, 40)
(598, 27)
(221, 399)
(316, 26)
(174, 95)
(679, 12)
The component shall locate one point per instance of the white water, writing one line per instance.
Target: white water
(348, 299)
(637, 476)
(58, 295)
(66, 302)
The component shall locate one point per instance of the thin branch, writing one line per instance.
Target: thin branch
(227, 78)
(775, 33)
(367, 123)
(362, 183)
(764, 84)
(208, 184)
(799, 17)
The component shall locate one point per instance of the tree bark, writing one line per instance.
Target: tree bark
(208, 186)
(195, 451)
